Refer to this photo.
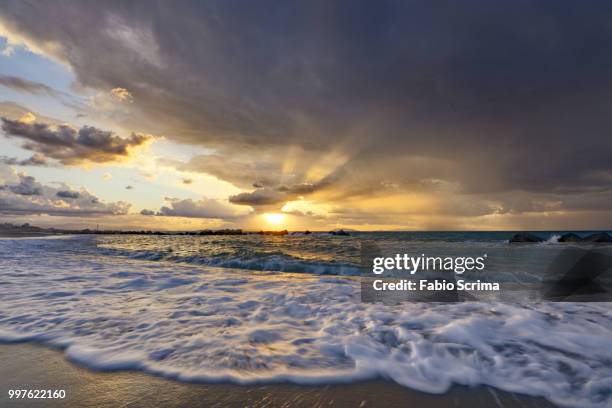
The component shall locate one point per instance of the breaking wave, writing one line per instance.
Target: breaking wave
(201, 323)
(265, 261)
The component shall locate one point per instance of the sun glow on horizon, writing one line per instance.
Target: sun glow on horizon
(275, 219)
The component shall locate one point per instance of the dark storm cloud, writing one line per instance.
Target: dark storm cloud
(510, 96)
(70, 145)
(67, 194)
(24, 85)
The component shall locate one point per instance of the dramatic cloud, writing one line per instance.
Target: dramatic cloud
(69, 145)
(239, 169)
(204, 208)
(469, 104)
(23, 195)
(265, 196)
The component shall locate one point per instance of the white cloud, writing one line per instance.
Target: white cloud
(21, 194)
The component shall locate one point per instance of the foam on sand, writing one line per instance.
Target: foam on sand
(197, 323)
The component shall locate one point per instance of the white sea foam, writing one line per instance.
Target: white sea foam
(553, 239)
(198, 323)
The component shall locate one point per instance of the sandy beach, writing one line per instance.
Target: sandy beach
(29, 366)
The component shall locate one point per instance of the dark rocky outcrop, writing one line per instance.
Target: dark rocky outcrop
(340, 232)
(276, 233)
(525, 237)
(598, 237)
(570, 237)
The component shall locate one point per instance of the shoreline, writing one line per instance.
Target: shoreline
(36, 366)
(4, 234)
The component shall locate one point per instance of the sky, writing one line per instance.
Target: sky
(388, 115)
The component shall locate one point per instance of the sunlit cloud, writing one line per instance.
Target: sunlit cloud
(274, 219)
(107, 103)
(70, 145)
(307, 208)
(313, 126)
(122, 95)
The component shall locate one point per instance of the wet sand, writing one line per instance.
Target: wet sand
(29, 366)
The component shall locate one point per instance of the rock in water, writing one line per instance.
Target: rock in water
(570, 237)
(598, 237)
(525, 237)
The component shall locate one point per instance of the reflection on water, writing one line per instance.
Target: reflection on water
(322, 254)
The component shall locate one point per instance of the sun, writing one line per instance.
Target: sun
(275, 219)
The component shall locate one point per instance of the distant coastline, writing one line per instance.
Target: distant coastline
(24, 230)
(27, 230)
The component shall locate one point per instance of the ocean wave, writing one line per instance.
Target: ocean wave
(206, 324)
(258, 261)
(245, 328)
(553, 239)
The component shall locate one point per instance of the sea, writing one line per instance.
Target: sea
(266, 309)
